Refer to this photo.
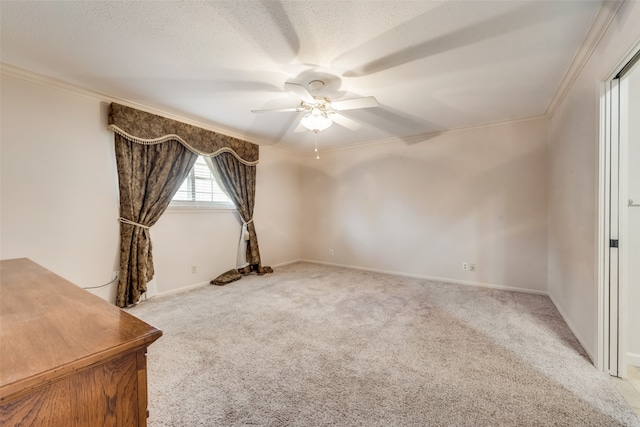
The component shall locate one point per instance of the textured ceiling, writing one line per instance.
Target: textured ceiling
(432, 65)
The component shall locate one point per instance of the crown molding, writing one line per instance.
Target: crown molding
(598, 28)
(10, 70)
(23, 74)
(30, 76)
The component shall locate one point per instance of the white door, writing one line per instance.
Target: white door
(620, 233)
(611, 225)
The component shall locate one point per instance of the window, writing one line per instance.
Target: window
(200, 190)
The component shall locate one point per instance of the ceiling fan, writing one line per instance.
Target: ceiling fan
(320, 111)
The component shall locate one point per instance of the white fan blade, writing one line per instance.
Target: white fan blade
(352, 104)
(345, 121)
(279, 110)
(301, 91)
(299, 128)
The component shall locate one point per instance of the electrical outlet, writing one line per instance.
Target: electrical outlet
(465, 266)
(114, 275)
(331, 252)
(194, 268)
(472, 267)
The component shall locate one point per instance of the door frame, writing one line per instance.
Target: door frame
(607, 330)
(612, 219)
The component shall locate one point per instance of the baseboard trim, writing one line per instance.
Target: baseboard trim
(282, 264)
(392, 273)
(633, 359)
(201, 284)
(179, 290)
(436, 279)
(573, 329)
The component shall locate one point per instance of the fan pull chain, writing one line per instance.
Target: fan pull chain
(316, 151)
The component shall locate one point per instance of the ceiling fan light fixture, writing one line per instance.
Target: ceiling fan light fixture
(321, 112)
(316, 122)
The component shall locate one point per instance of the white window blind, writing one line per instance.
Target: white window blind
(201, 190)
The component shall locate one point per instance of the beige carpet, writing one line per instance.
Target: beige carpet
(313, 345)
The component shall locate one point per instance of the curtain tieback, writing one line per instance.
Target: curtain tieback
(245, 229)
(128, 221)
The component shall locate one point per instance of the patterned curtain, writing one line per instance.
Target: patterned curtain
(239, 179)
(154, 155)
(149, 176)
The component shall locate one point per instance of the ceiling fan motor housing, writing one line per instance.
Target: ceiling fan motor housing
(320, 112)
(316, 86)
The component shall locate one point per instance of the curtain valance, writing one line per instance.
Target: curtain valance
(149, 129)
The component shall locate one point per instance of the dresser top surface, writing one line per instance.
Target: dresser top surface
(50, 327)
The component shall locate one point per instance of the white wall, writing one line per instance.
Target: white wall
(59, 182)
(573, 182)
(476, 196)
(277, 209)
(59, 199)
(633, 217)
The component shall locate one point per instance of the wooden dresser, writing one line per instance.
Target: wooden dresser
(67, 357)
